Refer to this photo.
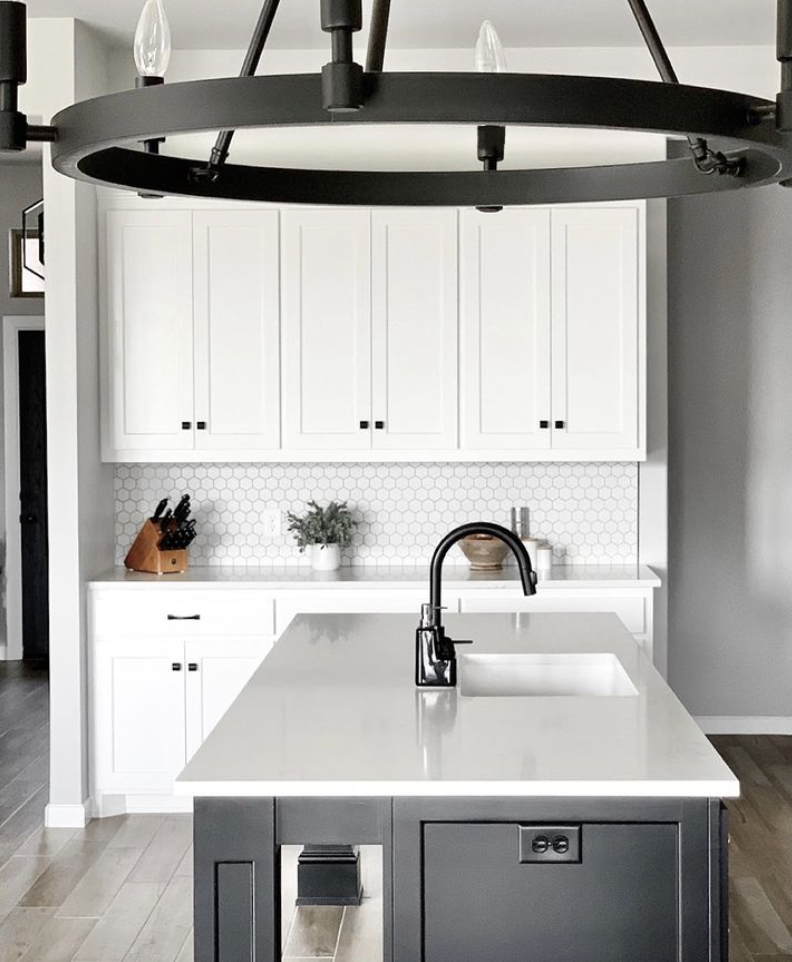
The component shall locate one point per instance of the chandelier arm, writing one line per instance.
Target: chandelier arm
(378, 36)
(708, 161)
(250, 64)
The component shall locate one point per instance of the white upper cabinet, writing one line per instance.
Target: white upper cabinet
(414, 332)
(237, 347)
(149, 304)
(326, 325)
(505, 311)
(598, 330)
(349, 334)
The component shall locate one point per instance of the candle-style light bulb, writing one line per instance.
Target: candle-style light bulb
(490, 57)
(152, 40)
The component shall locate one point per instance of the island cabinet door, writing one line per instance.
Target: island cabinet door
(138, 728)
(487, 894)
(216, 672)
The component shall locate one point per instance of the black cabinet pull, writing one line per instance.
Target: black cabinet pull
(186, 425)
(560, 424)
(364, 425)
(544, 425)
(192, 666)
(379, 425)
(201, 425)
(176, 666)
(184, 617)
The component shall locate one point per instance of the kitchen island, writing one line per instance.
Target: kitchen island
(559, 805)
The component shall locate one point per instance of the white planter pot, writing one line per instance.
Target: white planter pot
(325, 557)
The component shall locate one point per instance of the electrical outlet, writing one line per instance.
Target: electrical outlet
(273, 523)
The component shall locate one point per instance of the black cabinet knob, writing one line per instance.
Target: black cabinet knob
(544, 425)
(364, 425)
(379, 425)
(186, 425)
(201, 425)
(560, 424)
(192, 666)
(176, 666)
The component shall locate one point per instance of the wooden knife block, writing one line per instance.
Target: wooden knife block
(145, 553)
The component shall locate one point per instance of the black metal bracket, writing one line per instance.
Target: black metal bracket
(222, 146)
(15, 131)
(707, 160)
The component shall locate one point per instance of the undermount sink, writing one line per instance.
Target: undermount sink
(544, 676)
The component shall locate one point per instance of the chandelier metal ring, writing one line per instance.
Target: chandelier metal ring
(95, 138)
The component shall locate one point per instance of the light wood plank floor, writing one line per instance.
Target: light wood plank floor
(120, 890)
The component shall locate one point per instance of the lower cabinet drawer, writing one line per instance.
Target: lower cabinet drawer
(618, 903)
(631, 610)
(179, 613)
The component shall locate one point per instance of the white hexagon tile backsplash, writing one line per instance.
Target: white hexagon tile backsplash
(588, 512)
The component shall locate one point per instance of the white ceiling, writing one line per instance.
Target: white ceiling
(210, 24)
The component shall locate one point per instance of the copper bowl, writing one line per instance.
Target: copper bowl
(484, 552)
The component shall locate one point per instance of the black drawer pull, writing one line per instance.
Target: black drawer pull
(186, 425)
(379, 425)
(176, 666)
(192, 666)
(544, 425)
(364, 425)
(184, 617)
(201, 425)
(560, 424)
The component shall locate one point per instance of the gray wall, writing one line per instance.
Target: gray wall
(20, 185)
(730, 491)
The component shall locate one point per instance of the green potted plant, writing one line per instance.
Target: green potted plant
(325, 531)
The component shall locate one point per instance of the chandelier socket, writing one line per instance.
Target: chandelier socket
(342, 87)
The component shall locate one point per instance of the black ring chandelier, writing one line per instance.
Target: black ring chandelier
(99, 140)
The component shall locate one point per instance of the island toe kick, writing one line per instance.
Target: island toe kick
(466, 879)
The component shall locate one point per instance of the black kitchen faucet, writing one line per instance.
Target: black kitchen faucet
(435, 654)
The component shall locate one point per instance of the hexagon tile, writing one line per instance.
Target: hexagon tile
(588, 512)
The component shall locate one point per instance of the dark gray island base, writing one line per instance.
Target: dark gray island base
(477, 879)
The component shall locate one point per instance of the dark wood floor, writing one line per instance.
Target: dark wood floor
(120, 889)
(760, 849)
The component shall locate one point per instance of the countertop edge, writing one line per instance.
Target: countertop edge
(688, 788)
(267, 579)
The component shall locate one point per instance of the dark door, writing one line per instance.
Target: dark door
(33, 494)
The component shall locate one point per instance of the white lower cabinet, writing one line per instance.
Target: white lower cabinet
(139, 730)
(154, 703)
(167, 664)
(216, 673)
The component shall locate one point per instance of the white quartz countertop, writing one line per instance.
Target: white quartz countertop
(333, 711)
(379, 576)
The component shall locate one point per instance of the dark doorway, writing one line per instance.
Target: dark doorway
(33, 495)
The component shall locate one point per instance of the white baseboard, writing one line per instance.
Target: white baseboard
(105, 805)
(65, 816)
(745, 724)
(3, 652)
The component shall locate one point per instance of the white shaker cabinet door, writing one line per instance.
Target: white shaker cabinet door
(138, 731)
(326, 329)
(505, 323)
(148, 300)
(598, 325)
(217, 671)
(237, 347)
(414, 329)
